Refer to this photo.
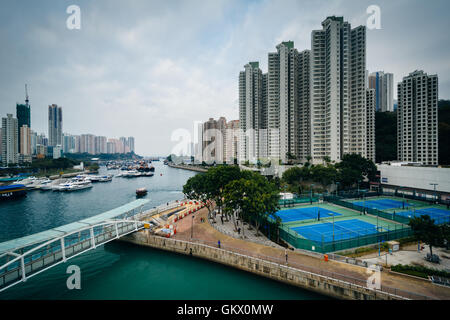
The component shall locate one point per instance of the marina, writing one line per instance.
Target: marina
(143, 272)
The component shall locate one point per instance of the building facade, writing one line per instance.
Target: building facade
(10, 137)
(55, 123)
(383, 84)
(417, 118)
(338, 90)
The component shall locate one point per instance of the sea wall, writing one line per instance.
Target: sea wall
(186, 167)
(306, 280)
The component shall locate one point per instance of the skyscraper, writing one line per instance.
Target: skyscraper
(370, 136)
(131, 144)
(23, 114)
(417, 118)
(10, 136)
(338, 90)
(383, 84)
(252, 112)
(55, 123)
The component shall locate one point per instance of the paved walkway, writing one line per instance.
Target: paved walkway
(204, 232)
(246, 232)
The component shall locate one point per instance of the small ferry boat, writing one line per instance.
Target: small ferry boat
(12, 191)
(141, 192)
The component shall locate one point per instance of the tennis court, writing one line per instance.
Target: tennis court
(437, 214)
(307, 213)
(382, 204)
(343, 230)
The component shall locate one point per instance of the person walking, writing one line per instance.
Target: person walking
(218, 243)
(286, 255)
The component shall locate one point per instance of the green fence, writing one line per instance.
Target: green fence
(296, 241)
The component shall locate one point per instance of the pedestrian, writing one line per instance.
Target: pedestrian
(218, 243)
(239, 230)
(286, 255)
(221, 218)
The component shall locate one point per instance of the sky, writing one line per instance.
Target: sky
(146, 68)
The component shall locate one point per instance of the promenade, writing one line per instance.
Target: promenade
(204, 232)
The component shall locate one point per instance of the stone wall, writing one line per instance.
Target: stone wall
(306, 280)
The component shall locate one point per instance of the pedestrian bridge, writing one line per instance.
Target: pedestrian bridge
(26, 257)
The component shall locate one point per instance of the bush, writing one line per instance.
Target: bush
(419, 271)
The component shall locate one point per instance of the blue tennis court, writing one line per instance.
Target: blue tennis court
(343, 230)
(382, 204)
(439, 215)
(308, 213)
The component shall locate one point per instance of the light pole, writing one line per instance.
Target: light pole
(434, 184)
(337, 187)
(310, 197)
(192, 227)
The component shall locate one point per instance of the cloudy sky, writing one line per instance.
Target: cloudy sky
(145, 68)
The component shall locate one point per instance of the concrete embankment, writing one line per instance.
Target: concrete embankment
(306, 280)
(186, 167)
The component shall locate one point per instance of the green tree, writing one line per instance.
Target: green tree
(253, 196)
(219, 177)
(200, 187)
(426, 230)
(354, 168)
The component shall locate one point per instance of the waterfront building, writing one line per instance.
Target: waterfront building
(10, 136)
(417, 118)
(338, 90)
(231, 141)
(57, 152)
(213, 140)
(110, 147)
(100, 144)
(123, 145)
(41, 150)
(131, 144)
(252, 113)
(383, 84)
(87, 143)
(33, 142)
(288, 103)
(55, 123)
(69, 143)
(25, 140)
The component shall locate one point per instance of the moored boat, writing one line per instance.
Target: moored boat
(12, 191)
(141, 192)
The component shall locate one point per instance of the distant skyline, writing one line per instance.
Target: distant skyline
(146, 68)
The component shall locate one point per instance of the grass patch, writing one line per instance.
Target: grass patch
(419, 271)
(364, 251)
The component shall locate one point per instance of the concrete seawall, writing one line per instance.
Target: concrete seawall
(185, 167)
(303, 279)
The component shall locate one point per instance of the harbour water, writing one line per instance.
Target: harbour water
(121, 270)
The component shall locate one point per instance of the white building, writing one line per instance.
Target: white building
(417, 118)
(252, 113)
(415, 177)
(10, 136)
(370, 136)
(338, 90)
(383, 84)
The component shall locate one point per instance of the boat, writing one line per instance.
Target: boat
(80, 185)
(149, 174)
(62, 186)
(43, 184)
(141, 192)
(12, 191)
(105, 178)
(131, 174)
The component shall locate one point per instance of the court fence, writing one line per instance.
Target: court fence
(393, 216)
(290, 236)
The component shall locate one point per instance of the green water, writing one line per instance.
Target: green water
(123, 271)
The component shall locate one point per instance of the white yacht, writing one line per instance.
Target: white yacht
(80, 185)
(44, 184)
(131, 174)
(105, 178)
